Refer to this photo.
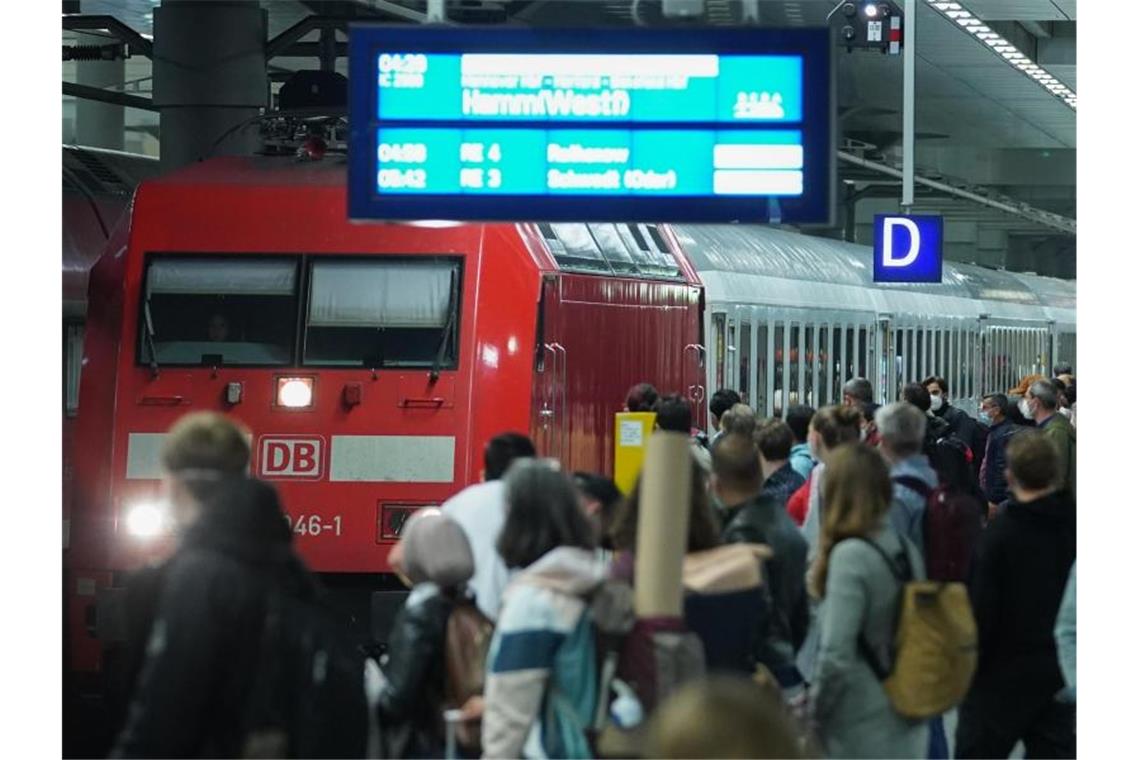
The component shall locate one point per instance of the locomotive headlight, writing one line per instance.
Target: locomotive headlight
(146, 520)
(295, 392)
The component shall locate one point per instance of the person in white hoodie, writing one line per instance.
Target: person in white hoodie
(541, 688)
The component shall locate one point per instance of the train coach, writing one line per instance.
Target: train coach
(790, 318)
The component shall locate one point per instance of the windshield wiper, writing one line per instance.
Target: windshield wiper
(149, 323)
(448, 327)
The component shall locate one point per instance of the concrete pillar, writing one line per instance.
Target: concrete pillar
(209, 77)
(98, 125)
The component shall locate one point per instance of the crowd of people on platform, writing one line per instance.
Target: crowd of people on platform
(806, 535)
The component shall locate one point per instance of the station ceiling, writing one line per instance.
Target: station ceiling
(982, 125)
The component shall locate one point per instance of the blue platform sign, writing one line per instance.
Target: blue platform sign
(590, 125)
(908, 248)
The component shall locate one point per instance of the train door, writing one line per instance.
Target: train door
(1010, 350)
(776, 357)
(599, 337)
(549, 424)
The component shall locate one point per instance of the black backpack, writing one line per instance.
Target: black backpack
(953, 461)
(308, 697)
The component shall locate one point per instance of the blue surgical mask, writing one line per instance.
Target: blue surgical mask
(985, 419)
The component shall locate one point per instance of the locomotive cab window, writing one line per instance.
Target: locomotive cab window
(624, 249)
(213, 311)
(386, 313)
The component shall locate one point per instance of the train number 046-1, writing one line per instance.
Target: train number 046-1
(313, 525)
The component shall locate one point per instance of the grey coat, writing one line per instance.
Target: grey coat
(854, 716)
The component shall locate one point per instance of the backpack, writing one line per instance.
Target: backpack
(935, 646)
(466, 643)
(308, 697)
(953, 460)
(952, 525)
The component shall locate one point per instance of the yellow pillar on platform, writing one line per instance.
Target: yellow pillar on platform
(631, 436)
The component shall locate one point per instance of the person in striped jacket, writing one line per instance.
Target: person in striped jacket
(541, 688)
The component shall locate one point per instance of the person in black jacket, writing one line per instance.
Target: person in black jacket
(753, 517)
(436, 558)
(1016, 584)
(964, 427)
(234, 548)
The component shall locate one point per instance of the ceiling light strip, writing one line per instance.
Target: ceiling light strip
(973, 25)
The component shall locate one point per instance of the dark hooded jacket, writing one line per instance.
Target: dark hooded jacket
(764, 520)
(966, 429)
(201, 656)
(1016, 584)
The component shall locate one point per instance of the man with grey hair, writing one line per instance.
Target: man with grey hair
(1040, 405)
(902, 428)
(858, 391)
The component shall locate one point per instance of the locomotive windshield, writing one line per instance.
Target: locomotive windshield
(218, 312)
(635, 249)
(383, 313)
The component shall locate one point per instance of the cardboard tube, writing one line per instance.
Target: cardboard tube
(662, 525)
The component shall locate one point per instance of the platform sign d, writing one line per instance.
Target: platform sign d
(908, 248)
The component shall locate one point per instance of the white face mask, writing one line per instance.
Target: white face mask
(1023, 407)
(935, 403)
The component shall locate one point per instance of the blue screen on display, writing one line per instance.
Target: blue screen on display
(604, 125)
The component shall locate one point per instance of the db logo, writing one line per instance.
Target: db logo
(291, 456)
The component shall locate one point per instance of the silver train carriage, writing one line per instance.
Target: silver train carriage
(789, 316)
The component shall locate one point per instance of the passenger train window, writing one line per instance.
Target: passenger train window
(383, 313)
(72, 364)
(745, 361)
(838, 372)
(761, 369)
(718, 350)
(1066, 350)
(781, 358)
(808, 360)
(863, 368)
(794, 369)
(218, 311)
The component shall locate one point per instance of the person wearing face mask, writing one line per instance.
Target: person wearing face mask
(961, 424)
(993, 415)
(1040, 405)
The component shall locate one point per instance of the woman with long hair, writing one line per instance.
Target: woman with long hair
(831, 427)
(859, 594)
(541, 685)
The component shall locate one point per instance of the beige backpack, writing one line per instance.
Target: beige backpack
(935, 648)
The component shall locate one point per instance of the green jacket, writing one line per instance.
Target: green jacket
(1064, 435)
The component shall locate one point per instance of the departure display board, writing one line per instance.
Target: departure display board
(708, 124)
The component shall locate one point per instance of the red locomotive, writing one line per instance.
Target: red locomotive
(370, 361)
